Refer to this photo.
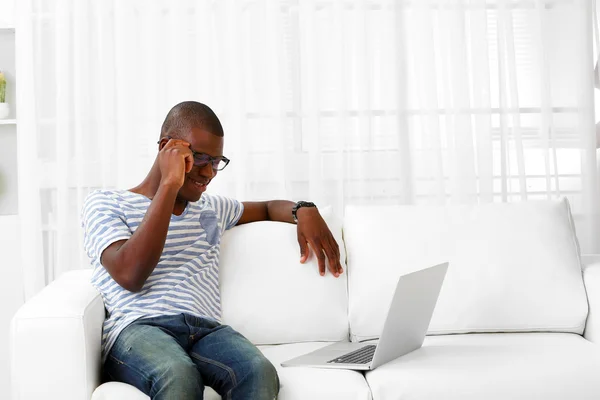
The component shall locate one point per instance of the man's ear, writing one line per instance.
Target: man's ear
(162, 142)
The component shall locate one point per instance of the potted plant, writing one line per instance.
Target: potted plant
(4, 109)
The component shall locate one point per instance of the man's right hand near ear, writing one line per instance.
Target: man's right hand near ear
(174, 161)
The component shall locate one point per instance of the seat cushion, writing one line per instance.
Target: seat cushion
(296, 383)
(299, 383)
(513, 267)
(493, 366)
(118, 390)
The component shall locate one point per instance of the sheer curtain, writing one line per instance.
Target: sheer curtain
(339, 102)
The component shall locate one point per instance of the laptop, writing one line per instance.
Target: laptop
(404, 328)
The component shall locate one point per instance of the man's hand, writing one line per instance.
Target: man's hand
(313, 232)
(175, 160)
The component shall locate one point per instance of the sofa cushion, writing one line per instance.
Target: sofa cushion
(269, 297)
(301, 383)
(493, 367)
(296, 383)
(513, 267)
(118, 390)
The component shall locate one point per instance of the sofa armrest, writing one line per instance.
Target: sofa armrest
(591, 278)
(55, 341)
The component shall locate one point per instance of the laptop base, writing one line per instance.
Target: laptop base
(320, 357)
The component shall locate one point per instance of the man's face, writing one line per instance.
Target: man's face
(198, 178)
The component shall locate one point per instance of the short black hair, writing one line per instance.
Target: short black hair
(189, 114)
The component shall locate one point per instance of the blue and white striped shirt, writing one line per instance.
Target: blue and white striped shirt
(186, 278)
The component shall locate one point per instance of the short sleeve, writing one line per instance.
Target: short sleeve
(228, 210)
(103, 223)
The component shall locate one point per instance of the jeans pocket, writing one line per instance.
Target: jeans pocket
(116, 360)
(121, 371)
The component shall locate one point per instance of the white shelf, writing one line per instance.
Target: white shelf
(8, 121)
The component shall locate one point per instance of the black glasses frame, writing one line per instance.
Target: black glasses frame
(202, 159)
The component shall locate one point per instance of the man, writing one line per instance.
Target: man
(155, 251)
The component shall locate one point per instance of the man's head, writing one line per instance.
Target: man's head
(190, 114)
(198, 125)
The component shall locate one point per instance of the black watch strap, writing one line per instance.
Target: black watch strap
(299, 205)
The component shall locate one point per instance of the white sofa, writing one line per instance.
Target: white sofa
(518, 316)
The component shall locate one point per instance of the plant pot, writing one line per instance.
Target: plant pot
(4, 110)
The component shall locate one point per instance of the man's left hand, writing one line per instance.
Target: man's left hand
(314, 233)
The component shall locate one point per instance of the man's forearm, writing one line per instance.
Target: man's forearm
(140, 254)
(274, 210)
(280, 210)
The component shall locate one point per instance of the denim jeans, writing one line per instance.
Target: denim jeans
(173, 357)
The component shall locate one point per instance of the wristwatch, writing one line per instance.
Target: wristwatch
(298, 205)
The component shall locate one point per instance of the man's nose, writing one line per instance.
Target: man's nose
(208, 171)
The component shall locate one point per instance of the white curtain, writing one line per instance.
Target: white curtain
(334, 101)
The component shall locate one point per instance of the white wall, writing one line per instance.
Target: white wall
(11, 283)
(8, 133)
(11, 292)
(7, 8)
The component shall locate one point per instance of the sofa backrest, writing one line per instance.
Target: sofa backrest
(513, 267)
(268, 296)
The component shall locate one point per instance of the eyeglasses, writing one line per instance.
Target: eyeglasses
(201, 160)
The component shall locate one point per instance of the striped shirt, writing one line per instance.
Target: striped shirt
(186, 278)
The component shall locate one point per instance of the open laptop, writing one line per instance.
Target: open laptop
(404, 328)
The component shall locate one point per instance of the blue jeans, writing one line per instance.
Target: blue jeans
(173, 357)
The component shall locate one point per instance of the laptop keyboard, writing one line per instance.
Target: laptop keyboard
(363, 355)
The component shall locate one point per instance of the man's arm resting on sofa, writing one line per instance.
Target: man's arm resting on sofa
(591, 278)
(312, 230)
(55, 341)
